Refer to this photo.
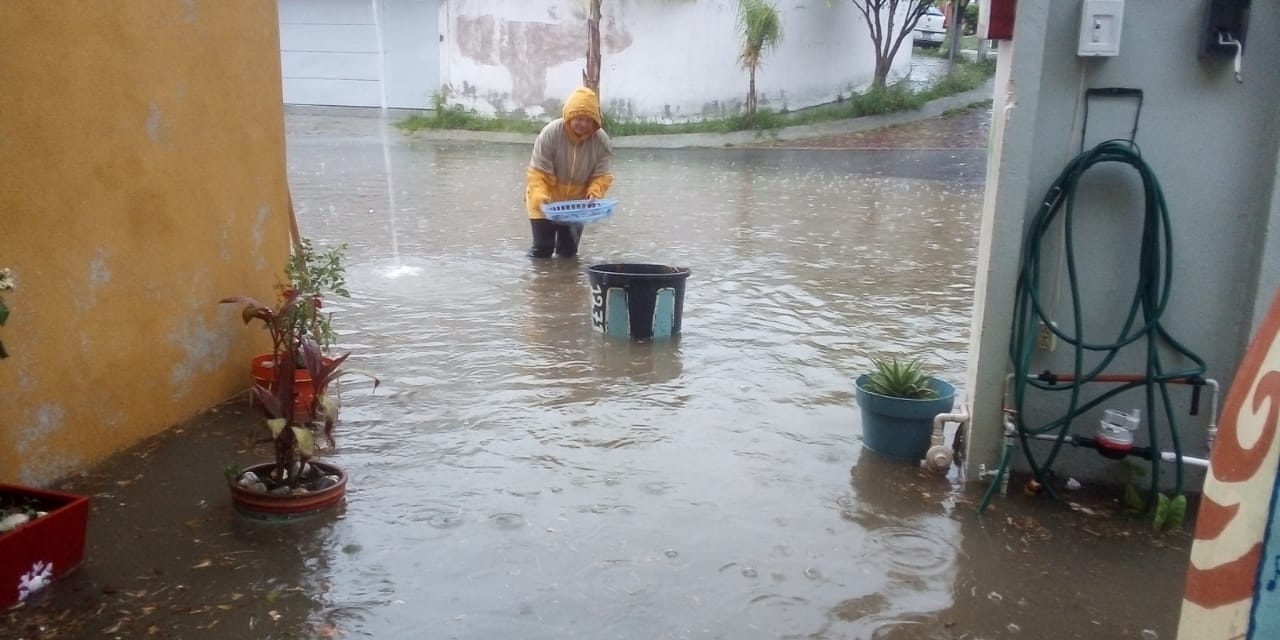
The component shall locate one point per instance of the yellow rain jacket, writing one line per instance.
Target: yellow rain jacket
(565, 166)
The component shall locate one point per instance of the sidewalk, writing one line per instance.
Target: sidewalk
(739, 138)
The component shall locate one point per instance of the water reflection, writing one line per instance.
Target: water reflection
(519, 471)
(911, 550)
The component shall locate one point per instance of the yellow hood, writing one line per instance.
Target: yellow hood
(582, 102)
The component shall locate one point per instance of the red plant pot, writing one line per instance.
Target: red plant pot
(269, 507)
(264, 373)
(42, 549)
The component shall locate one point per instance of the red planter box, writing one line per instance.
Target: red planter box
(45, 548)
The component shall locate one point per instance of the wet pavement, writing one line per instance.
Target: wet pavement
(517, 475)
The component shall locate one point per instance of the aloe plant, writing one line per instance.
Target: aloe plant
(898, 379)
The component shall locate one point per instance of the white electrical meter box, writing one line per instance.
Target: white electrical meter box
(1100, 22)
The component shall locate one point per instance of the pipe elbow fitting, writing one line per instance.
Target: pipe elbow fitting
(938, 459)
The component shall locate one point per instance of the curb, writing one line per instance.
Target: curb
(737, 138)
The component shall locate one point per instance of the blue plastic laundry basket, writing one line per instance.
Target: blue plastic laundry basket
(579, 211)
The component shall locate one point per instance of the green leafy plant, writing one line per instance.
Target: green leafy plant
(299, 313)
(1169, 512)
(896, 378)
(1133, 500)
(313, 274)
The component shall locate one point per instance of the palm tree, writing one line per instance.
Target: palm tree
(761, 31)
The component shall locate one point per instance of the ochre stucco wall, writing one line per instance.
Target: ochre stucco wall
(142, 178)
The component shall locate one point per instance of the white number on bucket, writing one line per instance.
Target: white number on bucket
(597, 307)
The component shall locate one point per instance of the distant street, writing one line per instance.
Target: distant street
(967, 129)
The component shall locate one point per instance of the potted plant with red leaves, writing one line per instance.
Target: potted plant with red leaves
(295, 484)
(295, 384)
(312, 274)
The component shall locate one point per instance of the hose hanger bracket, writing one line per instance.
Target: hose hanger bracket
(1112, 92)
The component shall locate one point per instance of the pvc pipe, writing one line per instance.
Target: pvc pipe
(1211, 433)
(1169, 456)
(1211, 430)
(1166, 456)
(939, 456)
(1010, 428)
(1010, 442)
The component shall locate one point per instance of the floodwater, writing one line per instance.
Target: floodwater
(517, 475)
(552, 482)
(925, 69)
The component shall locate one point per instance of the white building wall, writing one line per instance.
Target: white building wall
(667, 60)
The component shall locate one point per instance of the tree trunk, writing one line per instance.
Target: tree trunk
(956, 31)
(882, 72)
(751, 92)
(591, 76)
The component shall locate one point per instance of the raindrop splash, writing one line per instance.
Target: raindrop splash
(397, 270)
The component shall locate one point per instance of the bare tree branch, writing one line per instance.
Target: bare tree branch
(886, 34)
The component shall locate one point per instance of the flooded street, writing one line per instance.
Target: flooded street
(693, 488)
(519, 476)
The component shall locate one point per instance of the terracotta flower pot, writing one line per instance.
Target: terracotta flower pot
(264, 373)
(44, 548)
(263, 506)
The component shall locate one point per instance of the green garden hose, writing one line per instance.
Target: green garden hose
(1001, 469)
(1142, 326)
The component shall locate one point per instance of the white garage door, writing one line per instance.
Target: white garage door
(335, 52)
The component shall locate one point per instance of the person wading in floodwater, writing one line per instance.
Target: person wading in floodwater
(572, 160)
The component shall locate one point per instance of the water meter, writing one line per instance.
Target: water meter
(1115, 432)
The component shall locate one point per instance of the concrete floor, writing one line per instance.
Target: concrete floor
(168, 558)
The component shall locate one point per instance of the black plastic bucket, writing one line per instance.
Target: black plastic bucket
(637, 300)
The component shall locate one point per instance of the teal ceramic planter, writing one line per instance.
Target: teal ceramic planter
(899, 427)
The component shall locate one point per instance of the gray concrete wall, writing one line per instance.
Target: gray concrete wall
(1269, 263)
(1212, 144)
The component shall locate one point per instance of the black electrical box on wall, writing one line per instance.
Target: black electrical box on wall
(1225, 23)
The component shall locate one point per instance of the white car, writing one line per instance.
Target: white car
(930, 30)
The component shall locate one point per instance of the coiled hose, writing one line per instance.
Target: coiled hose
(1142, 326)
